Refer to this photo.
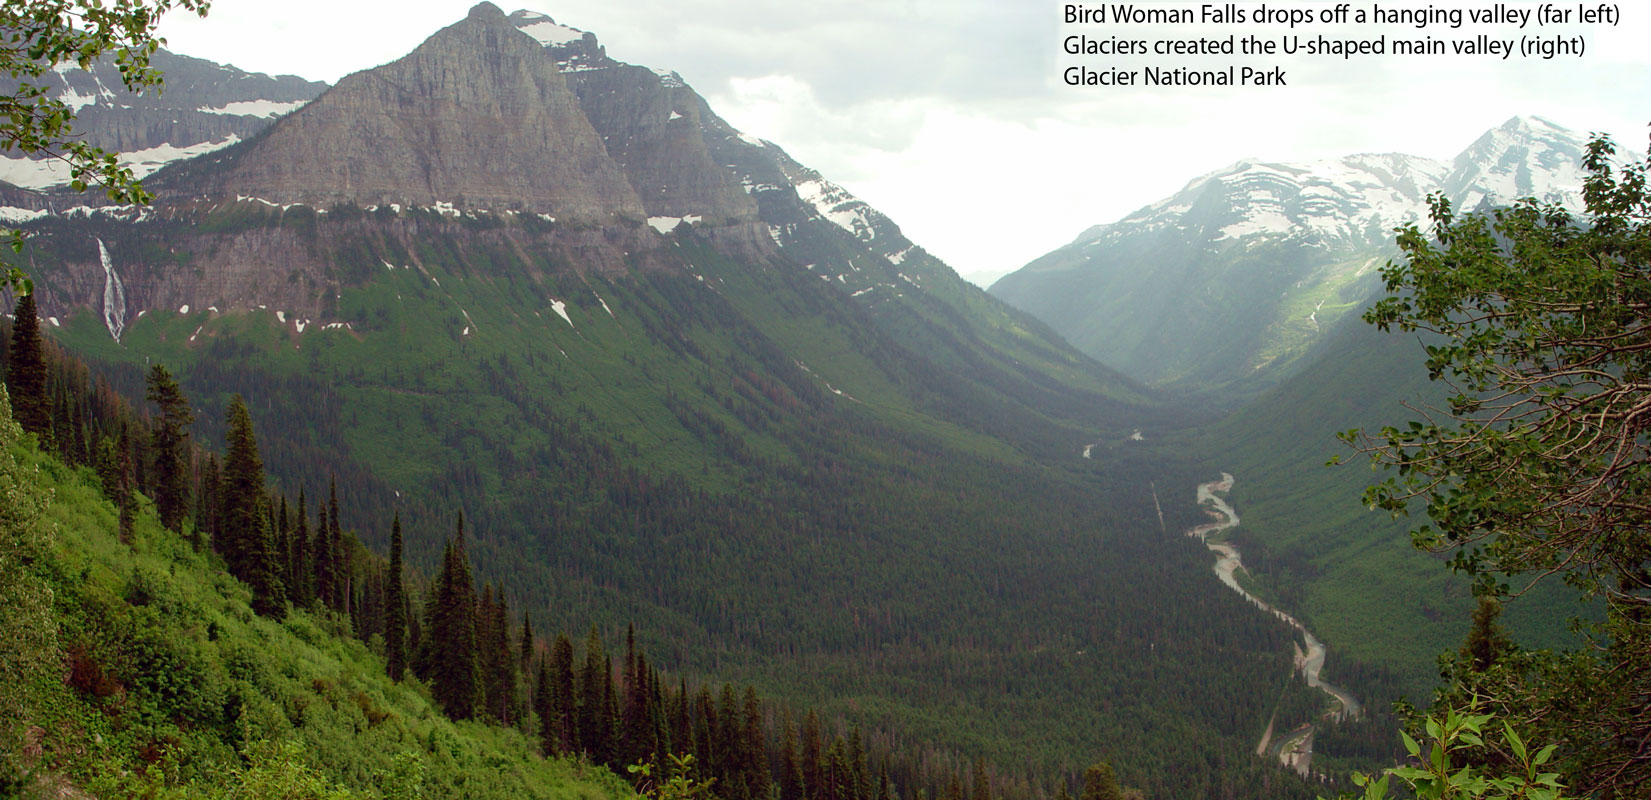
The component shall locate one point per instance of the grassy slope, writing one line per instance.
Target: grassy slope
(193, 695)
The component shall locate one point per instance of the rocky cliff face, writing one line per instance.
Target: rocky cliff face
(202, 107)
(652, 125)
(478, 117)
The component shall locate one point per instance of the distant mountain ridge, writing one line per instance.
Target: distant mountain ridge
(1229, 282)
(202, 107)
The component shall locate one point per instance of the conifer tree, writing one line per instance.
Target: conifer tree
(790, 777)
(594, 684)
(456, 667)
(301, 575)
(660, 717)
(682, 726)
(115, 472)
(550, 735)
(1487, 641)
(610, 720)
(210, 505)
(497, 655)
(269, 592)
(982, 789)
(705, 725)
(563, 695)
(169, 447)
(341, 584)
(395, 611)
(754, 748)
(729, 763)
(26, 373)
(525, 646)
(634, 723)
(325, 576)
(1100, 783)
(246, 543)
(839, 778)
(812, 782)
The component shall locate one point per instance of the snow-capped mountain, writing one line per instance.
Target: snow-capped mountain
(203, 106)
(1238, 275)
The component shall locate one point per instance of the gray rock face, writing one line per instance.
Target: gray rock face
(652, 124)
(478, 116)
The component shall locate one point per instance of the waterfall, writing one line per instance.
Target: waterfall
(114, 295)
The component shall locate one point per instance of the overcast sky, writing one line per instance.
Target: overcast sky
(951, 115)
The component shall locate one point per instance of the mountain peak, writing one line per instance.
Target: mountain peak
(477, 117)
(485, 11)
(1526, 156)
(1534, 124)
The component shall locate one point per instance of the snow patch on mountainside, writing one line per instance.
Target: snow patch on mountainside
(267, 109)
(561, 310)
(550, 34)
(668, 224)
(46, 173)
(1359, 200)
(838, 207)
(144, 162)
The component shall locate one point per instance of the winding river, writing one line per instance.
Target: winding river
(1295, 750)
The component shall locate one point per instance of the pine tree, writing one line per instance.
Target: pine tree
(1487, 641)
(340, 594)
(395, 611)
(594, 683)
(812, 780)
(301, 577)
(269, 592)
(544, 696)
(839, 778)
(682, 725)
(564, 695)
(325, 575)
(210, 505)
(635, 726)
(610, 720)
(705, 725)
(525, 645)
(457, 669)
(115, 471)
(791, 777)
(246, 543)
(754, 748)
(982, 785)
(730, 760)
(498, 657)
(169, 446)
(1100, 783)
(26, 375)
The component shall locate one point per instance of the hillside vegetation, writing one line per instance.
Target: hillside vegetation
(136, 667)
